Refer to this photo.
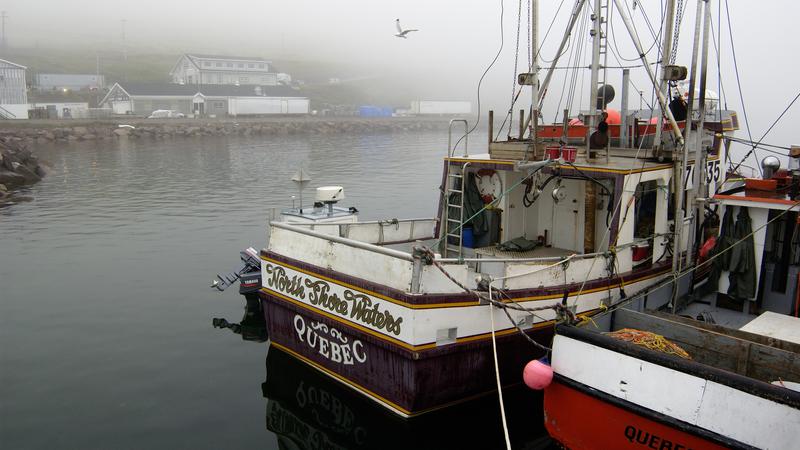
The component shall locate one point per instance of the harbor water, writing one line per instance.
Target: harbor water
(106, 337)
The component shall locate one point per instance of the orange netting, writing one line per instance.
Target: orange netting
(649, 340)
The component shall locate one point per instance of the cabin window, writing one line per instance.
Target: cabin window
(645, 209)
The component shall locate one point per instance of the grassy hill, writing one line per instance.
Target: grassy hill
(353, 88)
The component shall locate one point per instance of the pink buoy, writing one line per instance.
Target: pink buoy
(537, 375)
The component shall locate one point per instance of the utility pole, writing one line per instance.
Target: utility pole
(3, 43)
(124, 52)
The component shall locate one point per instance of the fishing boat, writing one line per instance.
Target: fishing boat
(718, 366)
(735, 380)
(555, 223)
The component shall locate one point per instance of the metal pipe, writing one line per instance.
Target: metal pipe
(349, 242)
(597, 20)
(623, 120)
(491, 126)
(699, 180)
(521, 123)
(666, 49)
(682, 165)
(534, 115)
(688, 140)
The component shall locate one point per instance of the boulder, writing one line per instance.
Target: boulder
(79, 131)
(122, 132)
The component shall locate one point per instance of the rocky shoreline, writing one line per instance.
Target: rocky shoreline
(33, 133)
(18, 167)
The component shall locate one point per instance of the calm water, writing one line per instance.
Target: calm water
(105, 311)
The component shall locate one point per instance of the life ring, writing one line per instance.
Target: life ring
(489, 184)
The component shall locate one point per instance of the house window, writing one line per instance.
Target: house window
(261, 66)
(218, 105)
(240, 65)
(229, 65)
(206, 64)
(219, 78)
(251, 66)
(243, 79)
(219, 64)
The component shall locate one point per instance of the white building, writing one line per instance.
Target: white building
(68, 81)
(141, 99)
(13, 91)
(214, 69)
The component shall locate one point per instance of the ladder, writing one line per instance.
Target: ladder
(455, 183)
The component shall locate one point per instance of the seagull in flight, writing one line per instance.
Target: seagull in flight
(401, 33)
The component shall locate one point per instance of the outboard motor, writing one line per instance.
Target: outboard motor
(249, 273)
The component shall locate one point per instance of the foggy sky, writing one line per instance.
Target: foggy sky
(456, 41)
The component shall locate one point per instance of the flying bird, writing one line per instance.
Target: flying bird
(401, 33)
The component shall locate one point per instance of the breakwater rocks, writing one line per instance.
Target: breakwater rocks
(18, 167)
(44, 132)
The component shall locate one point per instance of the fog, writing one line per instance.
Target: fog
(444, 60)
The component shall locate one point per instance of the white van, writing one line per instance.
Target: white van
(166, 114)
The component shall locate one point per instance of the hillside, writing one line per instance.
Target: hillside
(351, 85)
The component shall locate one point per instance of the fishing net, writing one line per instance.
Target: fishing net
(649, 340)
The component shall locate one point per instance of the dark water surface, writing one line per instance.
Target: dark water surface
(105, 311)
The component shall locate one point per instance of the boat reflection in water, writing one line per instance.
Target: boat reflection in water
(307, 409)
(253, 326)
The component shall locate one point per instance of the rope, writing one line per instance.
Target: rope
(649, 340)
(499, 385)
(753, 149)
(561, 310)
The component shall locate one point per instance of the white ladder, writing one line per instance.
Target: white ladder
(454, 184)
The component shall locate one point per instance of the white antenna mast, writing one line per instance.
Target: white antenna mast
(301, 178)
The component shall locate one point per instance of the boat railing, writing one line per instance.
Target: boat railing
(450, 149)
(334, 250)
(378, 232)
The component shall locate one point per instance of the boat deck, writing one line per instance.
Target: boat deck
(539, 252)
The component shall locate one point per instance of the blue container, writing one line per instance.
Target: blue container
(467, 239)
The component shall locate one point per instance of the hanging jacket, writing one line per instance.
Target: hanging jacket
(721, 262)
(742, 264)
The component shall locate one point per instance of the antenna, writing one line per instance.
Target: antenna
(301, 179)
(3, 17)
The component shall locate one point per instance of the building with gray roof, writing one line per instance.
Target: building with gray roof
(199, 69)
(205, 100)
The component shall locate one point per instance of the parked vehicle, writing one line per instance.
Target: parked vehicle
(166, 114)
